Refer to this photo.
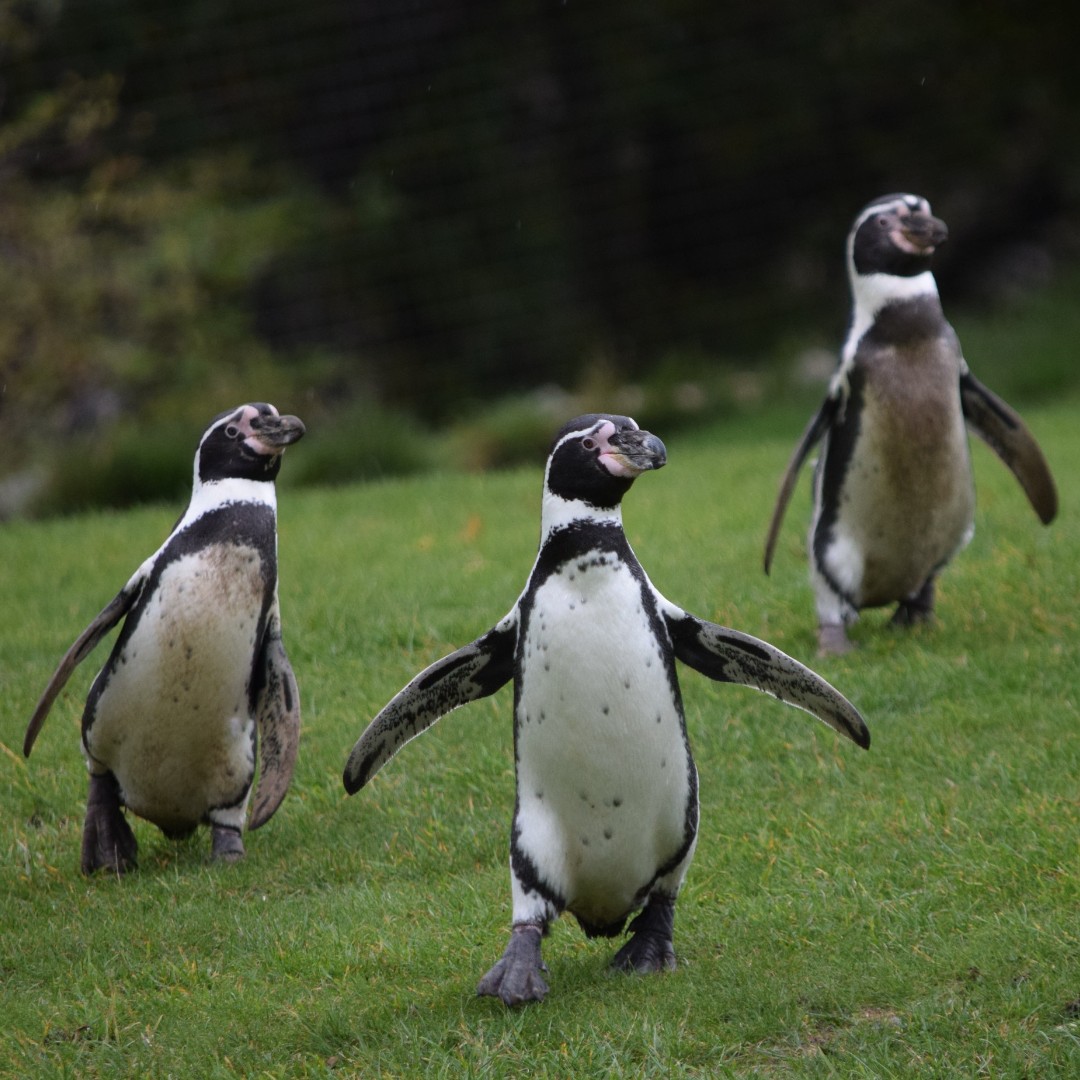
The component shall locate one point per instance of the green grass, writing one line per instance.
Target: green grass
(911, 911)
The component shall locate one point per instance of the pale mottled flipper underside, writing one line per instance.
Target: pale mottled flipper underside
(277, 712)
(730, 656)
(474, 671)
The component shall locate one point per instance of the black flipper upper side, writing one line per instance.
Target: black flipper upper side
(820, 423)
(1001, 428)
(84, 644)
(277, 713)
(474, 671)
(729, 656)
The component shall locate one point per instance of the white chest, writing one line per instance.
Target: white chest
(603, 771)
(173, 720)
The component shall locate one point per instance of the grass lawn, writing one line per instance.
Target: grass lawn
(911, 911)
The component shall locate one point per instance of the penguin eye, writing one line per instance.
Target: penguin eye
(232, 431)
(589, 444)
(884, 221)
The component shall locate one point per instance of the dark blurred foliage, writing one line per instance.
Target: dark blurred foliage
(429, 203)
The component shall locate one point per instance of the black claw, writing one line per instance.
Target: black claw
(516, 978)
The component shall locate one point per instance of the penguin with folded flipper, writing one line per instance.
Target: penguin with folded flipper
(606, 810)
(198, 675)
(894, 494)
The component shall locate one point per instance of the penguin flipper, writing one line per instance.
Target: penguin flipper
(730, 656)
(84, 644)
(474, 671)
(1001, 428)
(820, 422)
(277, 713)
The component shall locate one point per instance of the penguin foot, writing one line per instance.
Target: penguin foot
(907, 614)
(652, 946)
(107, 841)
(227, 845)
(516, 978)
(832, 640)
(915, 609)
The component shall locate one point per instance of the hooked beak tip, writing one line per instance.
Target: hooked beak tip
(279, 431)
(657, 452)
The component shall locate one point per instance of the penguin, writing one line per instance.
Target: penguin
(169, 726)
(894, 493)
(606, 811)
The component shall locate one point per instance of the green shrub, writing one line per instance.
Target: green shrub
(362, 441)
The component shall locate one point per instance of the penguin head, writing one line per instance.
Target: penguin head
(895, 235)
(245, 443)
(595, 458)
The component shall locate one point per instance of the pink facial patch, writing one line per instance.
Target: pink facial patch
(610, 458)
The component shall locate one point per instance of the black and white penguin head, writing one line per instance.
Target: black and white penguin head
(245, 443)
(895, 235)
(595, 458)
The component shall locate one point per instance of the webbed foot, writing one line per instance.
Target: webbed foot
(227, 845)
(833, 640)
(651, 946)
(107, 841)
(915, 609)
(516, 978)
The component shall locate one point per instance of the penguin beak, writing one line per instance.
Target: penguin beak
(637, 451)
(920, 234)
(274, 433)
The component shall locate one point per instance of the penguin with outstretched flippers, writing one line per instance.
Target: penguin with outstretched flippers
(894, 494)
(606, 812)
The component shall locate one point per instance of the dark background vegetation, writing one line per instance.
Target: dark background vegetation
(421, 224)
